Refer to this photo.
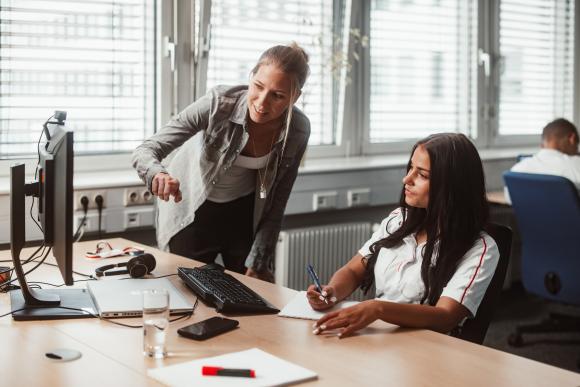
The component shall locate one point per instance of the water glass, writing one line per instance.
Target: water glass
(155, 322)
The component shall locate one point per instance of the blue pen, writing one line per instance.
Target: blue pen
(315, 279)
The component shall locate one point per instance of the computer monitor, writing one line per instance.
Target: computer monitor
(54, 190)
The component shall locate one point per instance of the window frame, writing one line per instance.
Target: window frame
(176, 21)
(494, 139)
(487, 92)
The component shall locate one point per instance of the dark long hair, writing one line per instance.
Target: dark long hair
(455, 215)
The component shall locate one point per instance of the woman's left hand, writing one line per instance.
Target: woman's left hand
(348, 320)
(263, 275)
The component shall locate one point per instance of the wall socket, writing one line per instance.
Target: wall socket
(358, 197)
(91, 222)
(324, 200)
(137, 196)
(138, 217)
(91, 195)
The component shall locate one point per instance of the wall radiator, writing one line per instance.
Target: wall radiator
(327, 248)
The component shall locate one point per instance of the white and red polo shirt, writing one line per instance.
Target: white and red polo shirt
(398, 269)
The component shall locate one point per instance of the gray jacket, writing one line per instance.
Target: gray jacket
(208, 135)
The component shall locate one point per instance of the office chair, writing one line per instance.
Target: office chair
(474, 329)
(547, 210)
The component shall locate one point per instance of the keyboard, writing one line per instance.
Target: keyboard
(223, 291)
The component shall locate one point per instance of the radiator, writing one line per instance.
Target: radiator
(327, 248)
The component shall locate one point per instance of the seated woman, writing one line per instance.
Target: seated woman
(430, 260)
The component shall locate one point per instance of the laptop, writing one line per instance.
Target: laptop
(124, 298)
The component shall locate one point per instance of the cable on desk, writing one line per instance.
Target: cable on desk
(29, 258)
(148, 277)
(29, 271)
(90, 276)
(60, 285)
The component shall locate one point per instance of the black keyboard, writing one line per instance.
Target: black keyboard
(223, 291)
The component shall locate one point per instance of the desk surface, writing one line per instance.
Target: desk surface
(497, 197)
(381, 354)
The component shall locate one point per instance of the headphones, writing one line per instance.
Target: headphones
(137, 267)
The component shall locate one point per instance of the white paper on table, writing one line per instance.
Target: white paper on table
(300, 308)
(270, 371)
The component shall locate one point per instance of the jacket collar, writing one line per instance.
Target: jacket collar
(240, 111)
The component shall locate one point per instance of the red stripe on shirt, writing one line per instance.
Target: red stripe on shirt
(476, 270)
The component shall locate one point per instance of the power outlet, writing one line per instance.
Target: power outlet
(91, 222)
(91, 195)
(358, 197)
(139, 217)
(324, 200)
(137, 196)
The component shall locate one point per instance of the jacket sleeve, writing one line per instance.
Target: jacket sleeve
(147, 157)
(261, 257)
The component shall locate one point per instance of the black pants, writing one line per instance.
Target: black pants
(224, 228)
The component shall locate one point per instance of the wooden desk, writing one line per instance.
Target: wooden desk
(497, 197)
(382, 354)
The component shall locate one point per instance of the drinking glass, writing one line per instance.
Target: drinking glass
(155, 322)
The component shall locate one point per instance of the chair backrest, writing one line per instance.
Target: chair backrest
(474, 329)
(547, 210)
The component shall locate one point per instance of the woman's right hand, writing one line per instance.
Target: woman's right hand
(317, 300)
(164, 186)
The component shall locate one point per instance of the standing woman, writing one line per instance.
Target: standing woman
(238, 150)
(431, 260)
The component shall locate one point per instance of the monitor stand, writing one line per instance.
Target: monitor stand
(69, 298)
(34, 304)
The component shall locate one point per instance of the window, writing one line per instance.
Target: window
(537, 76)
(422, 68)
(96, 60)
(240, 30)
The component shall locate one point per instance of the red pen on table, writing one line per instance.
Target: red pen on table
(220, 371)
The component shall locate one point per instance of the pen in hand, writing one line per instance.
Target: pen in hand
(316, 281)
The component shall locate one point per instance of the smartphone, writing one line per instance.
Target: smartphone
(205, 329)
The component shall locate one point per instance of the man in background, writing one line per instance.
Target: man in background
(558, 156)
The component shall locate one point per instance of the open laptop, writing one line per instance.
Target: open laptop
(124, 298)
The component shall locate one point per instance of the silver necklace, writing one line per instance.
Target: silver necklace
(263, 191)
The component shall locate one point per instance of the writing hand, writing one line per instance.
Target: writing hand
(316, 299)
(348, 320)
(164, 186)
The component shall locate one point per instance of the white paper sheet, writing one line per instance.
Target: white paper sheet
(270, 371)
(300, 308)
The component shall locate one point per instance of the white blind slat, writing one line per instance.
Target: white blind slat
(422, 72)
(537, 43)
(242, 29)
(95, 60)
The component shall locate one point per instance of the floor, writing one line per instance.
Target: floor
(517, 308)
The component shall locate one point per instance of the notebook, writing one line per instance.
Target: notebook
(270, 371)
(300, 308)
(123, 298)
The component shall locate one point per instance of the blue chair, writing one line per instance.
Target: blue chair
(547, 211)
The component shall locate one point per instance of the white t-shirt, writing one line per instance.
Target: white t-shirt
(398, 269)
(549, 162)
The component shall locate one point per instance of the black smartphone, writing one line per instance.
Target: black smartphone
(205, 329)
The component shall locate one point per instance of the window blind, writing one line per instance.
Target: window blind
(423, 68)
(242, 29)
(537, 78)
(93, 59)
